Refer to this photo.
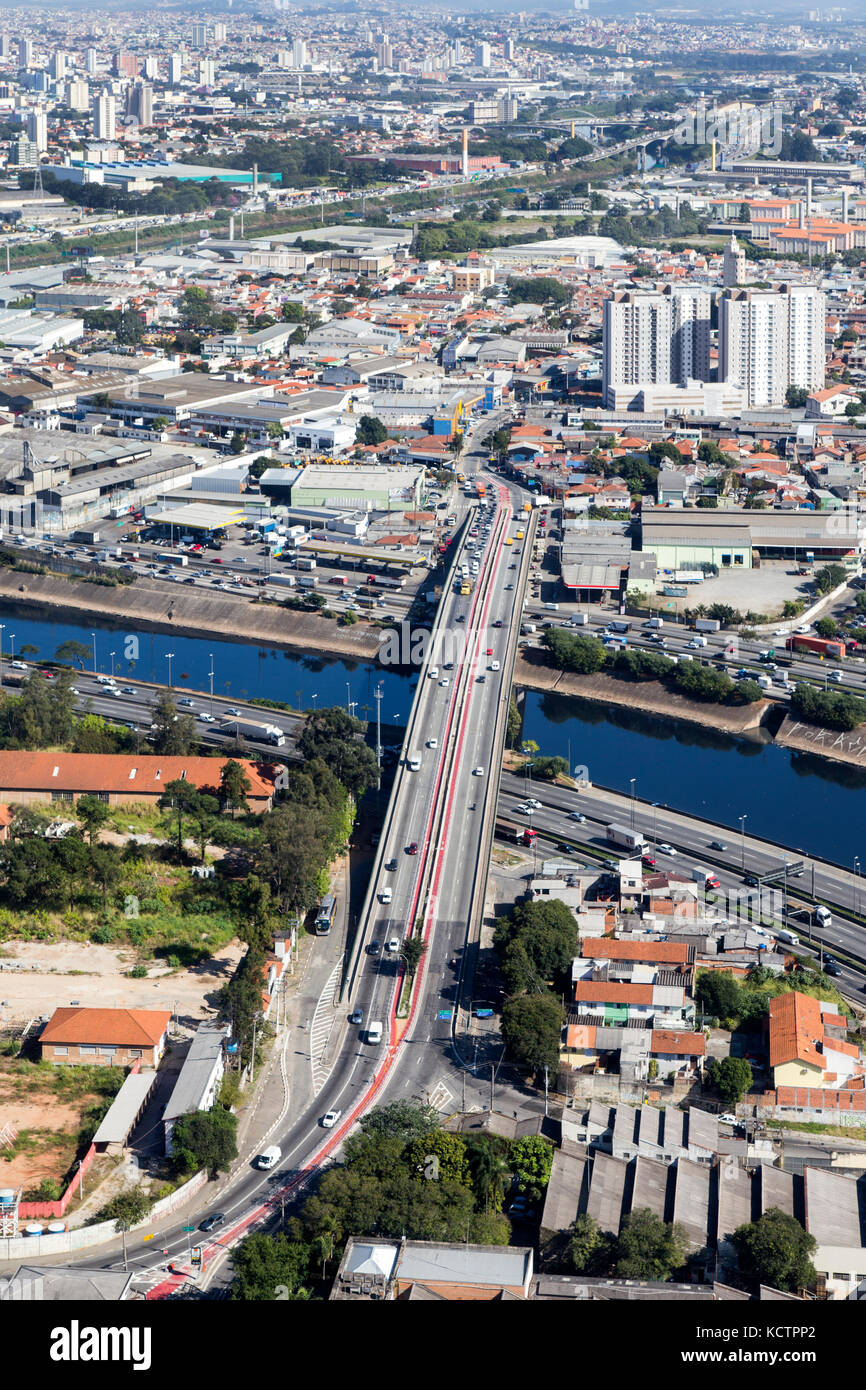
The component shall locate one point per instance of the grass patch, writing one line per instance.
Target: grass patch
(813, 1127)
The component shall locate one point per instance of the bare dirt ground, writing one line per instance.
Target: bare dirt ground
(48, 1160)
(56, 973)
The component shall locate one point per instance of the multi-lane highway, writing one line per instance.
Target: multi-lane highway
(696, 843)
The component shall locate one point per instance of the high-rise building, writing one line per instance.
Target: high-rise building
(508, 50)
(90, 61)
(199, 36)
(299, 53)
(26, 152)
(58, 66)
(37, 129)
(78, 96)
(151, 68)
(733, 264)
(385, 54)
(284, 58)
(482, 55)
(175, 69)
(770, 340)
(105, 117)
(655, 338)
(25, 53)
(126, 65)
(5, 46)
(207, 72)
(139, 103)
(220, 33)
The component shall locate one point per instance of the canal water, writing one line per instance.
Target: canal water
(795, 798)
(241, 670)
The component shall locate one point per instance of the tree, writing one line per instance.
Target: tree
(776, 1251)
(531, 1160)
(531, 1028)
(334, 737)
(732, 1078)
(412, 950)
(649, 1248)
(205, 1139)
(439, 1157)
(126, 1209)
(180, 799)
(826, 627)
(796, 397)
(93, 814)
(829, 577)
(404, 1119)
(572, 652)
(590, 1249)
(237, 443)
(74, 651)
(264, 1264)
(235, 786)
(370, 430)
(718, 993)
(514, 722)
(173, 733)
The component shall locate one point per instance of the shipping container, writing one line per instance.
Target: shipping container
(821, 646)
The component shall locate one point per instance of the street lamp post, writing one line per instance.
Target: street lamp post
(210, 677)
(93, 640)
(348, 698)
(169, 657)
(12, 645)
(856, 884)
(314, 697)
(743, 820)
(377, 696)
(2, 630)
(632, 781)
(111, 654)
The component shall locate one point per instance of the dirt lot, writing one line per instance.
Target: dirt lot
(55, 973)
(46, 1158)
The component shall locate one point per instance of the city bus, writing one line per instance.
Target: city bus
(325, 914)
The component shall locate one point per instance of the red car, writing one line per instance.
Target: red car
(413, 848)
(489, 651)
(648, 861)
(49, 675)
(216, 560)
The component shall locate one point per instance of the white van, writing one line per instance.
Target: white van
(823, 916)
(105, 680)
(552, 607)
(413, 762)
(790, 936)
(765, 682)
(433, 672)
(269, 1157)
(374, 1033)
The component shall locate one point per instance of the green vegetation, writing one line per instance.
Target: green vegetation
(646, 1247)
(370, 430)
(776, 1251)
(205, 1139)
(833, 709)
(403, 1175)
(269, 1267)
(732, 1078)
(744, 1005)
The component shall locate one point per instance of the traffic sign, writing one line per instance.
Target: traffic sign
(444, 1013)
(187, 1228)
(483, 1013)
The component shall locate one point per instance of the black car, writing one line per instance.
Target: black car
(718, 844)
(211, 1222)
(831, 966)
(750, 880)
(374, 948)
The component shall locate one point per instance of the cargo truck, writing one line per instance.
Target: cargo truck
(621, 625)
(308, 581)
(821, 646)
(306, 562)
(707, 625)
(251, 728)
(287, 581)
(625, 838)
(705, 877)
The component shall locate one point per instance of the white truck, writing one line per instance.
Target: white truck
(623, 837)
(286, 581)
(707, 625)
(251, 728)
(269, 1157)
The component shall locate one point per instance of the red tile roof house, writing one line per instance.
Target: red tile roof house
(121, 779)
(105, 1037)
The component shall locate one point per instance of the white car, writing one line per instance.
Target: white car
(233, 713)
(446, 680)
(666, 849)
(384, 895)
(393, 944)
(509, 586)
(494, 666)
(329, 1120)
(432, 743)
(728, 1119)
(478, 772)
(533, 803)
(207, 718)
(577, 816)
(18, 665)
(802, 631)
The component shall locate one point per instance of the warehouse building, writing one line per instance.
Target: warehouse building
(359, 488)
(741, 538)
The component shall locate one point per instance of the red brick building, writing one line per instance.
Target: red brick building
(105, 1037)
